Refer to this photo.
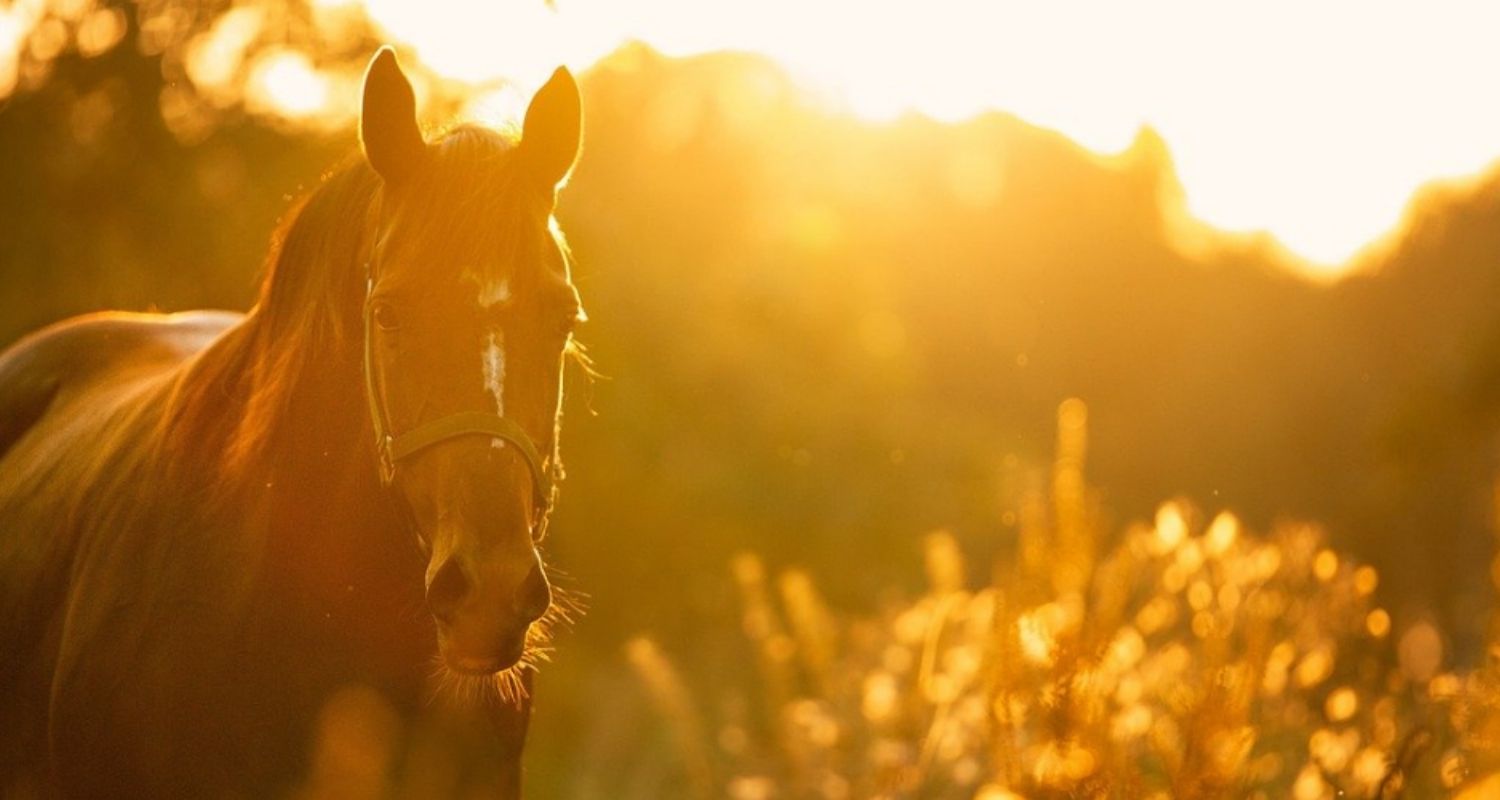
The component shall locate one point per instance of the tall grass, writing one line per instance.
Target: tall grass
(1184, 657)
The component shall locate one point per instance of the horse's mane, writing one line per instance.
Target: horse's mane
(307, 322)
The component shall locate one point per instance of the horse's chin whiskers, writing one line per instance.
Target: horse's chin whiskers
(509, 685)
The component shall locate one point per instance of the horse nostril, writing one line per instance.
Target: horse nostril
(535, 596)
(447, 590)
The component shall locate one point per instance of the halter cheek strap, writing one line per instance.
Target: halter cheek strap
(393, 448)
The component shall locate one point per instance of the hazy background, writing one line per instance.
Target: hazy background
(822, 336)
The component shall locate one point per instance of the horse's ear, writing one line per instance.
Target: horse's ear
(553, 126)
(388, 119)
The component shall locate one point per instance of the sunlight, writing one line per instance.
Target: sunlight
(16, 23)
(287, 81)
(1313, 123)
(214, 58)
(10, 42)
(1032, 401)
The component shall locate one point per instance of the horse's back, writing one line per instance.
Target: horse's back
(86, 355)
(75, 399)
(67, 394)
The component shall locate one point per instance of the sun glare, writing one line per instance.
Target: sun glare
(1313, 122)
(286, 80)
(16, 22)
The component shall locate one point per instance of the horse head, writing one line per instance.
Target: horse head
(469, 312)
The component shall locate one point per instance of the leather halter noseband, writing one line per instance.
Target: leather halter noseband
(393, 448)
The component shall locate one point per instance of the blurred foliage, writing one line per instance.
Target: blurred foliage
(1183, 659)
(820, 336)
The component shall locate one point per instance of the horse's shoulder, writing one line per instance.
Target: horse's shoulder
(76, 353)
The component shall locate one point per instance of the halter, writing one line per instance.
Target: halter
(393, 448)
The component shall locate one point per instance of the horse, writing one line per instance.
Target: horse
(216, 529)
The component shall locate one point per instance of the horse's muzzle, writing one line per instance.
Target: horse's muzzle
(484, 615)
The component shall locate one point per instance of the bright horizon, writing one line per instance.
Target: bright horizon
(1312, 122)
(1315, 123)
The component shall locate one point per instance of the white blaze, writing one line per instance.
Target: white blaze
(493, 294)
(493, 358)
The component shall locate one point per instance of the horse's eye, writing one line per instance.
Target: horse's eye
(385, 317)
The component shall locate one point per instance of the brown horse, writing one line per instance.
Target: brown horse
(211, 524)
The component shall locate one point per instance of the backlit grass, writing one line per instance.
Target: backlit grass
(1184, 657)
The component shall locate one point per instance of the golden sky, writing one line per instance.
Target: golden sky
(1314, 121)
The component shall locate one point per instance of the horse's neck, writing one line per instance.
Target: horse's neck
(245, 412)
(336, 539)
(283, 441)
(322, 437)
(318, 460)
